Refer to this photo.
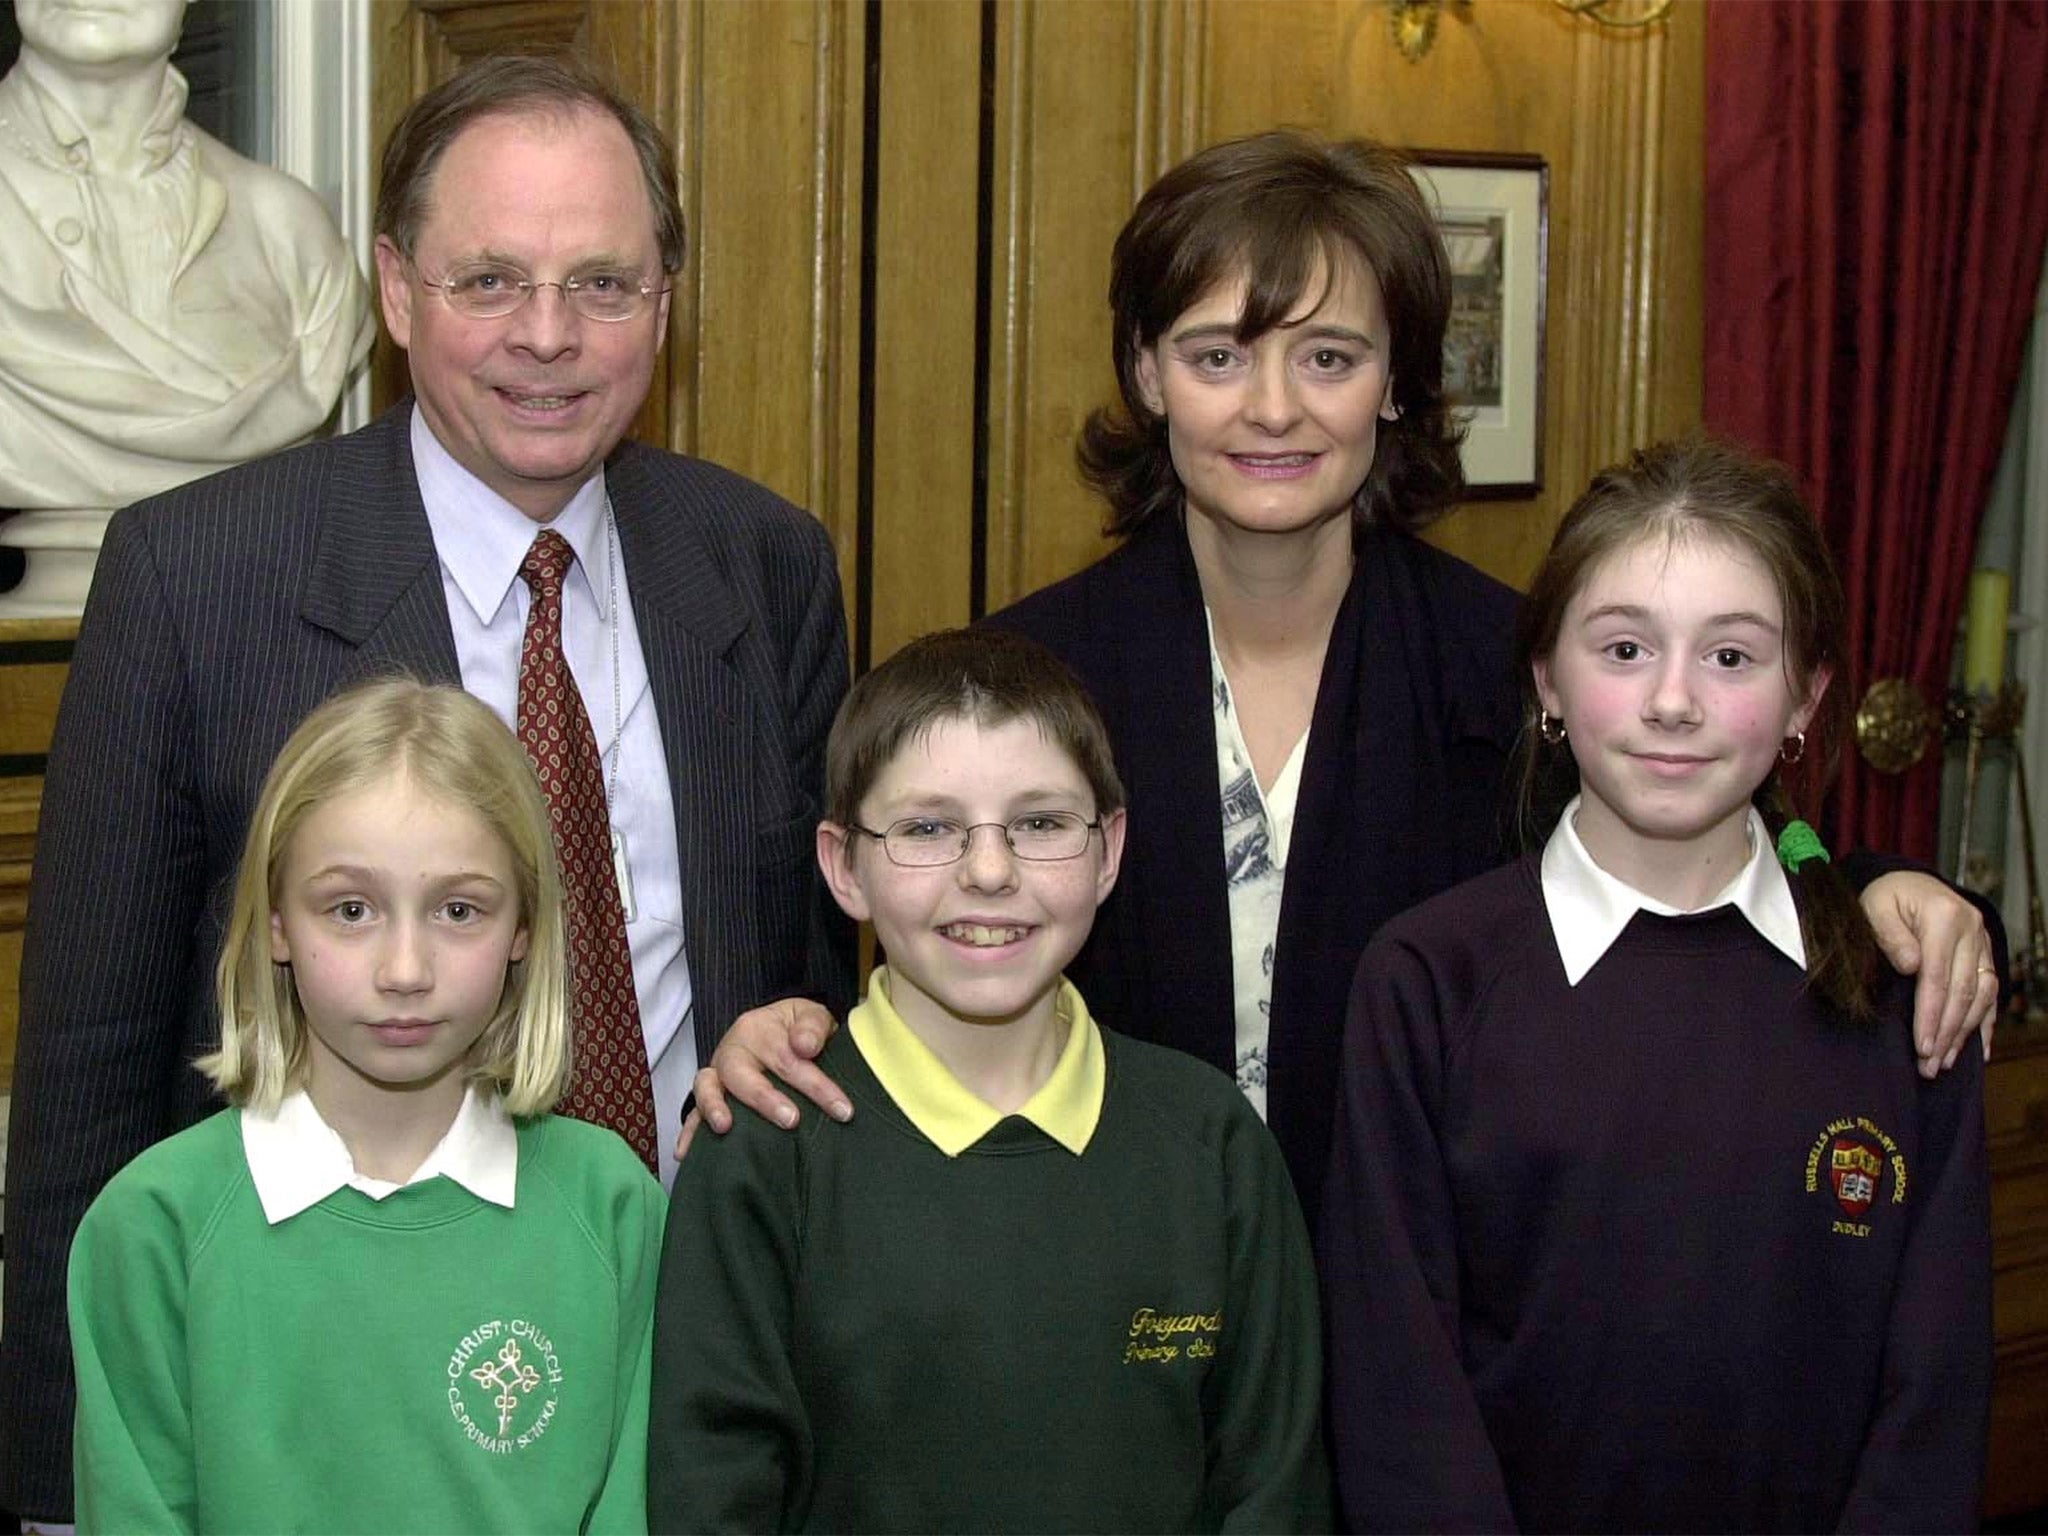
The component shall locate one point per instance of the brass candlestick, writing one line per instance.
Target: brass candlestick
(1977, 717)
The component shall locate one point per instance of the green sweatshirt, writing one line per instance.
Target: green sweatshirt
(856, 1332)
(430, 1362)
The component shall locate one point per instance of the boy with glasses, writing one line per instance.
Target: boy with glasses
(1046, 1277)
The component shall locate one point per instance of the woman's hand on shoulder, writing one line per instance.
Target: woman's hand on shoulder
(1926, 930)
(783, 1039)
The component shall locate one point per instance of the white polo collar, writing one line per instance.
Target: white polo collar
(296, 1159)
(1588, 907)
(481, 538)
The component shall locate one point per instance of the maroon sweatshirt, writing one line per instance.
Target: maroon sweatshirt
(1675, 1249)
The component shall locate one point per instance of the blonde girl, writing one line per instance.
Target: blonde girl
(386, 1289)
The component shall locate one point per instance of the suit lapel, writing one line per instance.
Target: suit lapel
(375, 582)
(689, 618)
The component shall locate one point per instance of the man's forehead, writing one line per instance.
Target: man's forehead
(502, 127)
(465, 202)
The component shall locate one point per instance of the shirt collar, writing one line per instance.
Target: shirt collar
(481, 538)
(1588, 907)
(950, 1115)
(296, 1159)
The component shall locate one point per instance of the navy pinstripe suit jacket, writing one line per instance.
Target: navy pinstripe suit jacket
(224, 611)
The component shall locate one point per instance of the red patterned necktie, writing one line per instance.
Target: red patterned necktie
(610, 1085)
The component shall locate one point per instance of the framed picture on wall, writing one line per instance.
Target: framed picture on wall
(1494, 211)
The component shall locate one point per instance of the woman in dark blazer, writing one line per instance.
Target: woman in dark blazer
(1280, 306)
(1274, 648)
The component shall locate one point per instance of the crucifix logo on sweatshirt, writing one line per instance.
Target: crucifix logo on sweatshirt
(1857, 1155)
(503, 1380)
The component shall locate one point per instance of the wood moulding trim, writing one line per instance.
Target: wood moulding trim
(987, 65)
(2028, 1353)
(837, 98)
(1605, 393)
(21, 803)
(677, 44)
(1010, 175)
(1172, 87)
(457, 30)
(931, 124)
(868, 201)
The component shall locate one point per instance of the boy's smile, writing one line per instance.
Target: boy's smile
(981, 940)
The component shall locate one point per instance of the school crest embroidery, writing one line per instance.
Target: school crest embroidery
(1856, 1161)
(1855, 1169)
(504, 1381)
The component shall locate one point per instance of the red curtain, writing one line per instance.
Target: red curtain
(1877, 206)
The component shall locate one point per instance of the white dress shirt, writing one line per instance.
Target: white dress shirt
(1588, 907)
(481, 540)
(296, 1159)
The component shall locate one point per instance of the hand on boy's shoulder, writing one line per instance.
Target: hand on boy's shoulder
(767, 1048)
(754, 1144)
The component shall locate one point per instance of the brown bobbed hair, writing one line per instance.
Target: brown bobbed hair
(1277, 208)
(1700, 489)
(989, 676)
(518, 85)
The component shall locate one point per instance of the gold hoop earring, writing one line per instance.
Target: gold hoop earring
(1792, 748)
(1550, 727)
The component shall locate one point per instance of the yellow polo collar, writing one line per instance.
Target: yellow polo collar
(952, 1116)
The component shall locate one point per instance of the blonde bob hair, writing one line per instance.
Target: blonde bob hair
(453, 748)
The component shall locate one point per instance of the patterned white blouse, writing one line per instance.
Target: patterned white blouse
(1257, 829)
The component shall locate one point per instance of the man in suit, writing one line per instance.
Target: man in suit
(528, 233)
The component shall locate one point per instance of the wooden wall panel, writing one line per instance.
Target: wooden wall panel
(765, 361)
(1067, 160)
(1172, 68)
(930, 206)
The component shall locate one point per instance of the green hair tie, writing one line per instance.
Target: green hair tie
(1799, 845)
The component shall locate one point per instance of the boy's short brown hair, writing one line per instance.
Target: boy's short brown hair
(990, 676)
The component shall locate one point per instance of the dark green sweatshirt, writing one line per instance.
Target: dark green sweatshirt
(856, 1332)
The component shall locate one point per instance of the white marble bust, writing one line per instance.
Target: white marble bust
(167, 307)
